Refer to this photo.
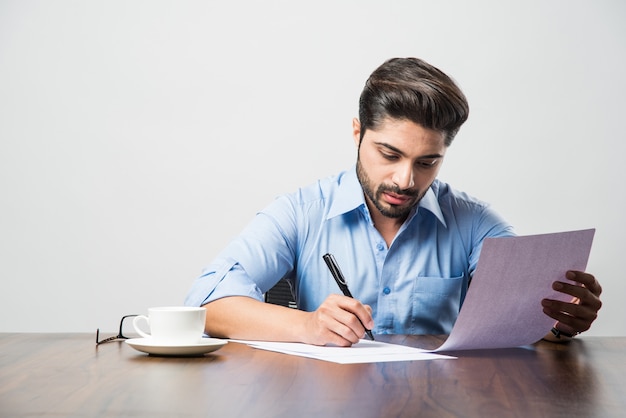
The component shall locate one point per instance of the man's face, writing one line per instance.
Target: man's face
(396, 164)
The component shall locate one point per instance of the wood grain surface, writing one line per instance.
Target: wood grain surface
(53, 375)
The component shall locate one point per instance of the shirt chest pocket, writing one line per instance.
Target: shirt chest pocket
(436, 304)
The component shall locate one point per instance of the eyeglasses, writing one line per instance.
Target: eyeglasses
(119, 336)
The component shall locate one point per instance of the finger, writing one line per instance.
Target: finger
(578, 317)
(348, 326)
(581, 295)
(329, 334)
(586, 279)
(331, 338)
(568, 323)
(334, 315)
(573, 310)
(362, 312)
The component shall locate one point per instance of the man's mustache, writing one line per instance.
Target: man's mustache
(398, 191)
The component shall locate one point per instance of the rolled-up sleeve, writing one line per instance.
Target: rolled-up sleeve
(254, 261)
(208, 286)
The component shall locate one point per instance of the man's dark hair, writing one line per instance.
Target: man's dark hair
(412, 89)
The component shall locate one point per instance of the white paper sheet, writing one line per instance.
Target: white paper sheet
(365, 351)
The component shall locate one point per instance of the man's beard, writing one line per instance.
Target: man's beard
(388, 210)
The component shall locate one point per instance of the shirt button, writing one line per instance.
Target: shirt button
(380, 247)
(386, 290)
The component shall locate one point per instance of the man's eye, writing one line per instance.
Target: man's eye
(427, 163)
(389, 157)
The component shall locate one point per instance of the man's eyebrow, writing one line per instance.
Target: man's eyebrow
(429, 156)
(398, 151)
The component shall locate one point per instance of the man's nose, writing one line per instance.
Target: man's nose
(403, 177)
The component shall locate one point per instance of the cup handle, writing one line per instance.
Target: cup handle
(136, 320)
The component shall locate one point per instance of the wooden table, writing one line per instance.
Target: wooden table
(67, 375)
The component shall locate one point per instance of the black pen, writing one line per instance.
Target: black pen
(341, 282)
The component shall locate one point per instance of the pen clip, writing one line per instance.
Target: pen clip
(334, 269)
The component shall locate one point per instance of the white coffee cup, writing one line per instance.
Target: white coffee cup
(173, 325)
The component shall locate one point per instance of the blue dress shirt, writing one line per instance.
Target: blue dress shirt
(415, 286)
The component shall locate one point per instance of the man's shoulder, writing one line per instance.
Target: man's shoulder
(326, 198)
(449, 196)
(316, 197)
(324, 189)
(466, 209)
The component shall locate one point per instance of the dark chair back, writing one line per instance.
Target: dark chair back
(281, 294)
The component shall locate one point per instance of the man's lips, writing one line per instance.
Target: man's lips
(396, 199)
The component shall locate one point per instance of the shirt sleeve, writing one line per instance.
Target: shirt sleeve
(488, 224)
(254, 261)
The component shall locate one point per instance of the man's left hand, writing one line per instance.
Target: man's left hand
(577, 315)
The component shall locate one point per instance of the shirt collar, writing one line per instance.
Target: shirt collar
(431, 203)
(350, 196)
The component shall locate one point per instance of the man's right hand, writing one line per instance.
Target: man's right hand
(340, 321)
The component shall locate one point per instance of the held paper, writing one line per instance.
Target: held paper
(503, 303)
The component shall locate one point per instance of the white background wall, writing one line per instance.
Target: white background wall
(138, 137)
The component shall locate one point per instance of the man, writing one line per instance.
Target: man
(407, 243)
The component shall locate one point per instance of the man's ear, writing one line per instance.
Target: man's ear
(356, 132)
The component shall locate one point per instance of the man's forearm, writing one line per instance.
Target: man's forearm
(241, 317)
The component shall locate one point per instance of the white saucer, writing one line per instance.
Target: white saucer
(206, 345)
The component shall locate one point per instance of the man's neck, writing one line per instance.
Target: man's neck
(388, 227)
